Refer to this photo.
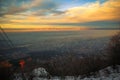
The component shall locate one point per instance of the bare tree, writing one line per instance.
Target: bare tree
(114, 50)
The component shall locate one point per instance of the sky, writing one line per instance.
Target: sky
(40, 15)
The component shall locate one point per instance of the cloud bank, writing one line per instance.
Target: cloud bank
(47, 12)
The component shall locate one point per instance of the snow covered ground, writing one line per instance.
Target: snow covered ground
(105, 74)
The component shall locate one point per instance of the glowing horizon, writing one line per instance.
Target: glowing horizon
(45, 28)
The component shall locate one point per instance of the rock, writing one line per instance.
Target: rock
(38, 78)
(17, 76)
(69, 78)
(40, 72)
(110, 69)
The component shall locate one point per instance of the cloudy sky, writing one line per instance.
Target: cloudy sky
(59, 14)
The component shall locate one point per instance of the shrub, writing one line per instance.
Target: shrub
(74, 65)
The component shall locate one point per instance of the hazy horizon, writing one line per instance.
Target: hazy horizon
(61, 40)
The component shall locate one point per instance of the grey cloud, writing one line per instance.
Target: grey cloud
(56, 12)
(46, 12)
(43, 5)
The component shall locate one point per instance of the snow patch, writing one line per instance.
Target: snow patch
(40, 72)
(105, 74)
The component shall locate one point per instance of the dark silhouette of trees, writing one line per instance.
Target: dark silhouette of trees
(74, 65)
(114, 50)
(5, 70)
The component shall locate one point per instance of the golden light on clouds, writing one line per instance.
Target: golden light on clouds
(88, 12)
(93, 11)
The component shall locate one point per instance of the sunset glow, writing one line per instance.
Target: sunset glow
(45, 15)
